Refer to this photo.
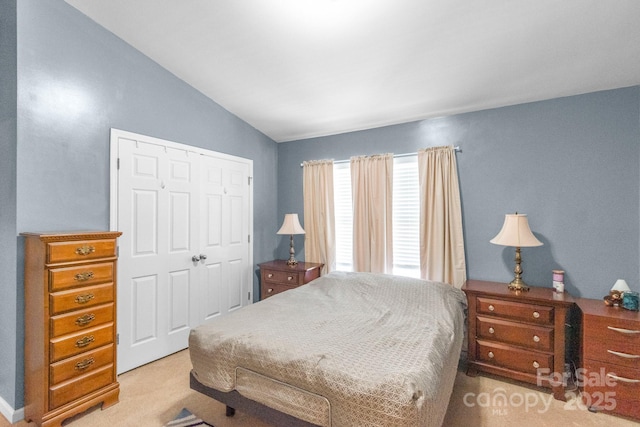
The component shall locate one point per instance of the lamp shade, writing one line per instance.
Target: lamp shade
(291, 225)
(516, 232)
(621, 286)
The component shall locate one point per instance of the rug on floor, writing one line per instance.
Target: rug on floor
(186, 419)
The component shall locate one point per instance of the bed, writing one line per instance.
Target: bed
(347, 349)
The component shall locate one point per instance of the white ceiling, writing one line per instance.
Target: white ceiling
(296, 69)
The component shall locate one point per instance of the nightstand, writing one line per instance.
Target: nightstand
(518, 335)
(276, 276)
(610, 358)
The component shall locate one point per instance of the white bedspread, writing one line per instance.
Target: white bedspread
(383, 350)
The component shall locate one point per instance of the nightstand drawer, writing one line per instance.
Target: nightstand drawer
(611, 388)
(59, 252)
(281, 277)
(513, 358)
(613, 330)
(514, 310)
(270, 289)
(524, 335)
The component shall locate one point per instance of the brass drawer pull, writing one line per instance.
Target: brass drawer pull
(289, 278)
(491, 330)
(623, 379)
(85, 341)
(536, 315)
(625, 355)
(491, 355)
(83, 299)
(536, 338)
(84, 364)
(83, 277)
(85, 250)
(491, 308)
(85, 320)
(269, 276)
(624, 331)
(269, 290)
(536, 364)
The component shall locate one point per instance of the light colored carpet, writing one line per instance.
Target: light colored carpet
(154, 394)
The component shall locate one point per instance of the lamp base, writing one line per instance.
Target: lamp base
(292, 260)
(518, 285)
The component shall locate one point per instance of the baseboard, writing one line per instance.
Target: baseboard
(12, 415)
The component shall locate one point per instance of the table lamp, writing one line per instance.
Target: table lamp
(291, 226)
(516, 232)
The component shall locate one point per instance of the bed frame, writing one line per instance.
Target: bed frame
(235, 400)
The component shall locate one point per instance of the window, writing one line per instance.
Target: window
(405, 220)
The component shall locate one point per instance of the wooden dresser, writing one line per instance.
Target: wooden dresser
(70, 324)
(518, 335)
(610, 358)
(276, 276)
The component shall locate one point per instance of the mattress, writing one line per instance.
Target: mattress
(347, 349)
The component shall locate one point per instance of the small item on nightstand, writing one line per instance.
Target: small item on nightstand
(615, 294)
(558, 280)
(614, 299)
(630, 301)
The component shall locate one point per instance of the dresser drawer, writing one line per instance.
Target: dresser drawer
(611, 388)
(81, 319)
(81, 364)
(67, 391)
(513, 358)
(281, 277)
(514, 310)
(80, 250)
(74, 299)
(524, 335)
(70, 345)
(70, 277)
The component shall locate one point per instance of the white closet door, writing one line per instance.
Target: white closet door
(224, 225)
(184, 256)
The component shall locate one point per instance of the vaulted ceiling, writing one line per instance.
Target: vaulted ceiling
(297, 69)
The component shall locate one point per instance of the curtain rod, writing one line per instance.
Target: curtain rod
(456, 149)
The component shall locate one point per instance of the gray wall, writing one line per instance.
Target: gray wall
(571, 164)
(10, 312)
(75, 81)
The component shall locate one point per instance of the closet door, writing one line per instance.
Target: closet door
(184, 253)
(224, 223)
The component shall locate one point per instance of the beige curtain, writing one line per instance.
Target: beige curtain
(319, 217)
(371, 186)
(441, 241)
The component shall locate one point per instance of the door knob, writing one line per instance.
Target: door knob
(203, 256)
(195, 258)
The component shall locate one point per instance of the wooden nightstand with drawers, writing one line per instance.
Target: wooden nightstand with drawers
(518, 335)
(276, 276)
(70, 324)
(610, 358)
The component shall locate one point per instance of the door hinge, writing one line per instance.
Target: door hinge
(249, 295)
(118, 163)
(117, 339)
(249, 178)
(249, 238)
